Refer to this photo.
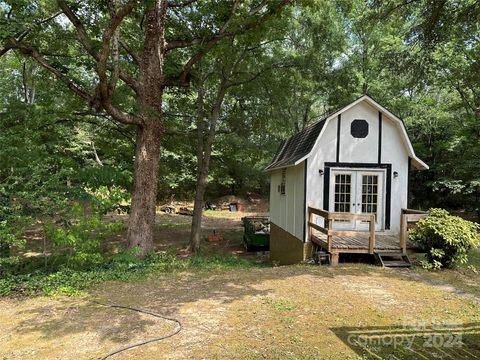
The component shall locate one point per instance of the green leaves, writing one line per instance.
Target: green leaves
(11, 225)
(446, 239)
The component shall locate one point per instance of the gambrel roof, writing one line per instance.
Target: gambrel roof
(298, 147)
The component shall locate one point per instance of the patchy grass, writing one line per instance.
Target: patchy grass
(123, 267)
(28, 276)
(291, 312)
(168, 221)
(280, 305)
(465, 278)
(233, 305)
(222, 214)
(473, 260)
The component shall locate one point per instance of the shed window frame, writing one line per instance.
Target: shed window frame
(283, 182)
(359, 128)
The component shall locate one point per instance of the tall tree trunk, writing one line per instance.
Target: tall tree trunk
(144, 196)
(204, 151)
(148, 86)
(149, 133)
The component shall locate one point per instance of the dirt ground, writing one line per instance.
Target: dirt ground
(293, 312)
(296, 312)
(172, 232)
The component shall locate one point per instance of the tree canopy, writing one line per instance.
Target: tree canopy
(74, 76)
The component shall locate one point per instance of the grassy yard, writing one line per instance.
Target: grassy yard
(294, 312)
(250, 310)
(465, 279)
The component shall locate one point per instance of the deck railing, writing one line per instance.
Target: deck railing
(330, 218)
(408, 216)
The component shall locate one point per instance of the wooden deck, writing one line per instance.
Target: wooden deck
(358, 242)
(351, 241)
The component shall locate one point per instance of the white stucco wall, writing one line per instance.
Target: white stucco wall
(394, 152)
(288, 211)
(364, 150)
(353, 150)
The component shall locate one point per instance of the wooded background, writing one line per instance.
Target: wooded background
(256, 86)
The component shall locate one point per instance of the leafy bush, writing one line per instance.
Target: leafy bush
(80, 237)
(11, 226)
(446, 239)
(124, 266)
(75, 258)
(105, 200)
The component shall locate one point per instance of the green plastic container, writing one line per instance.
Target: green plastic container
(253, 240)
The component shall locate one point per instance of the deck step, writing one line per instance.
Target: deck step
(390, 253)
(392, 259)
(395, 263)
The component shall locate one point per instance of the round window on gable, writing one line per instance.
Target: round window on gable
(359, 128)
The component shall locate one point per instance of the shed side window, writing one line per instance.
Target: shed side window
(284, 180)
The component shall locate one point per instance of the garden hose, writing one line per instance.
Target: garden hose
(176, 331)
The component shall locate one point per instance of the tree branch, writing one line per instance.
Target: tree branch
(87, 44)
(126, 135)
(181, 80)
(106, 92)
(4, 50)
(19, 36)
(30, 51)
(129, 50)
(182, 4)
(246, 81)
(22, 35)
(179, 43)
(221, 34)
(389, 11)
(115, 50)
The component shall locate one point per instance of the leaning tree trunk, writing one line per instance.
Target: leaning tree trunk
(201, 184)
(144, 195)
(204, 151)
(198, 208)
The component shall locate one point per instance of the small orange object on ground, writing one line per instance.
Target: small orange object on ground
(212, 238)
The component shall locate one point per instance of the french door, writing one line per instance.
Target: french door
(357, 192)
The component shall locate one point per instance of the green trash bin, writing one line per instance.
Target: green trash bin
(256, 236)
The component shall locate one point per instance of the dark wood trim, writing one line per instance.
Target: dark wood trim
(388, 200)
(326, 191)
(304, 200)
(357, 165)
(380, 125)
(408, 180)
(388, 189)
(326, 188)
(339, 124)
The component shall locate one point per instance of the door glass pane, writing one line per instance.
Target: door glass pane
(343, 186)
(370, 194)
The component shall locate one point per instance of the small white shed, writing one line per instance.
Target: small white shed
(356, 160)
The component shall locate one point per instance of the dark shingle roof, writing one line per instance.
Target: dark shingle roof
(297, 146)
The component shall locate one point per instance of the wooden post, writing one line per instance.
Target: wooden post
(403, 232)
(309, 228)
(334, 259)
(329, 236)
(372, 234)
